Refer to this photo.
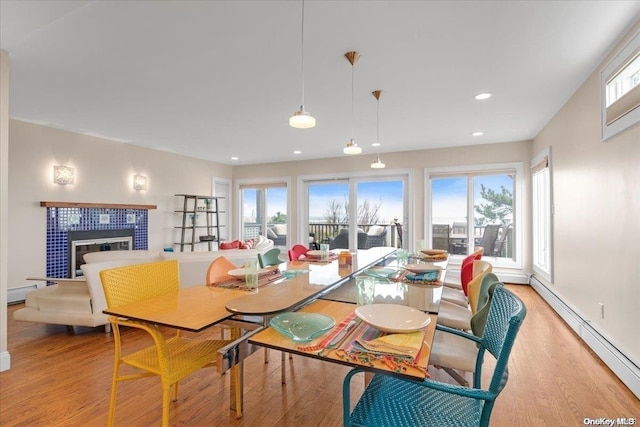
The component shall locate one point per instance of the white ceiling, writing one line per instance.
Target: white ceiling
(216, 79)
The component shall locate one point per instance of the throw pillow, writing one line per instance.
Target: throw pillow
(247, 244)
(230, 245)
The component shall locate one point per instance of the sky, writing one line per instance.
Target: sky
(449, 197)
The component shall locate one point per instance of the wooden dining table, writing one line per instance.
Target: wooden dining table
(317, 288)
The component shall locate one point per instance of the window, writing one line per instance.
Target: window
(355, 211)
(467, 209)
(263, 209)
(542, 213)
(620, 86)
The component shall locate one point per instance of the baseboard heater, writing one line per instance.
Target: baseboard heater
(626, 369)
(16, 295)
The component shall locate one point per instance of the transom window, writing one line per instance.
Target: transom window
(620, 89)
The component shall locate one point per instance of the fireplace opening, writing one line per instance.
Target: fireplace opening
(83, 242)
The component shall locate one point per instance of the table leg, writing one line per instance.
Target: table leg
(236, 388)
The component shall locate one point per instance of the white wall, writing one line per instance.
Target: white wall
(597, 216)
(104, 171)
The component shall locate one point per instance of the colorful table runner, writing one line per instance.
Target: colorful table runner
(365, 340)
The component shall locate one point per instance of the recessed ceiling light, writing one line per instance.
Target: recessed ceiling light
(376, 144)
(483, 95)
(297, 152)
(477, 134)
(234, 158)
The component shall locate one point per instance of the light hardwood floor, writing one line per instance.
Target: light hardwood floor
(58, 378)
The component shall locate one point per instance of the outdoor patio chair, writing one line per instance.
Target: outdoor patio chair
(497, 248)
(489, 237)
(341, 241)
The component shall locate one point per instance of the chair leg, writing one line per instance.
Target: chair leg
(112, 404)
(455, 375)
(266, 355)
(174, 394)
(282, 367)
(166, 391)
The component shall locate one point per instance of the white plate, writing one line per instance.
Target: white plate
(239, 273)
(433, 251)
(421, 268)
(393, 317)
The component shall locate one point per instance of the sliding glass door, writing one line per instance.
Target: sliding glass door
(472, 209)
(264, 212)
(356, 213)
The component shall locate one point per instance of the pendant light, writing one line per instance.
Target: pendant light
(302, 119)
(377, 164)
(352, 147)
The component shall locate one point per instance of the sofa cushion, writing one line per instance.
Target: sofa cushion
(262, 243)
(139, 254)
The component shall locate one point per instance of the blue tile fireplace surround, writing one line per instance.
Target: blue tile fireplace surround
(67, 222)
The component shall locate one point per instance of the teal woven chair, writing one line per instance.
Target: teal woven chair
(390, 401)
(271, 257)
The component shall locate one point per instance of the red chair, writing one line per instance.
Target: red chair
(466, 273)
(296, 252)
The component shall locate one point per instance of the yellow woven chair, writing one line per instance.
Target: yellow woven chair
(172, 359)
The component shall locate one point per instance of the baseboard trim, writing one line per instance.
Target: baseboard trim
(19, 294)
(5, 361)
(617, 361)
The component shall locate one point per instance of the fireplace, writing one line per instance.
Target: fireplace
(82, 242)
(94, 226)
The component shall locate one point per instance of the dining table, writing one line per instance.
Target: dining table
(318, 286)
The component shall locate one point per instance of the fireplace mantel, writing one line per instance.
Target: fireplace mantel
(94, 205)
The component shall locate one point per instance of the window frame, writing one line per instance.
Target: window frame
(241, 184)
(613, 68)
(353, 178)
(482, 169)
(545, 271)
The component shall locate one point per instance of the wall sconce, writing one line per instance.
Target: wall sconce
(139, 182)
(63, 175)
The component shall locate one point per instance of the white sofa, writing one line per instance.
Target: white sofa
(79, 302)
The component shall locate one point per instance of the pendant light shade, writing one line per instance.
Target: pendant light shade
(302, 119)
(377, 164)
(352, 147)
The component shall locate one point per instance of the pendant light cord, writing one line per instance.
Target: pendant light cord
(302, 54)
(352, 115)
(378, 121)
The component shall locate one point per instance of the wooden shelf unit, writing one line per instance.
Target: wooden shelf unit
(193, 226)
